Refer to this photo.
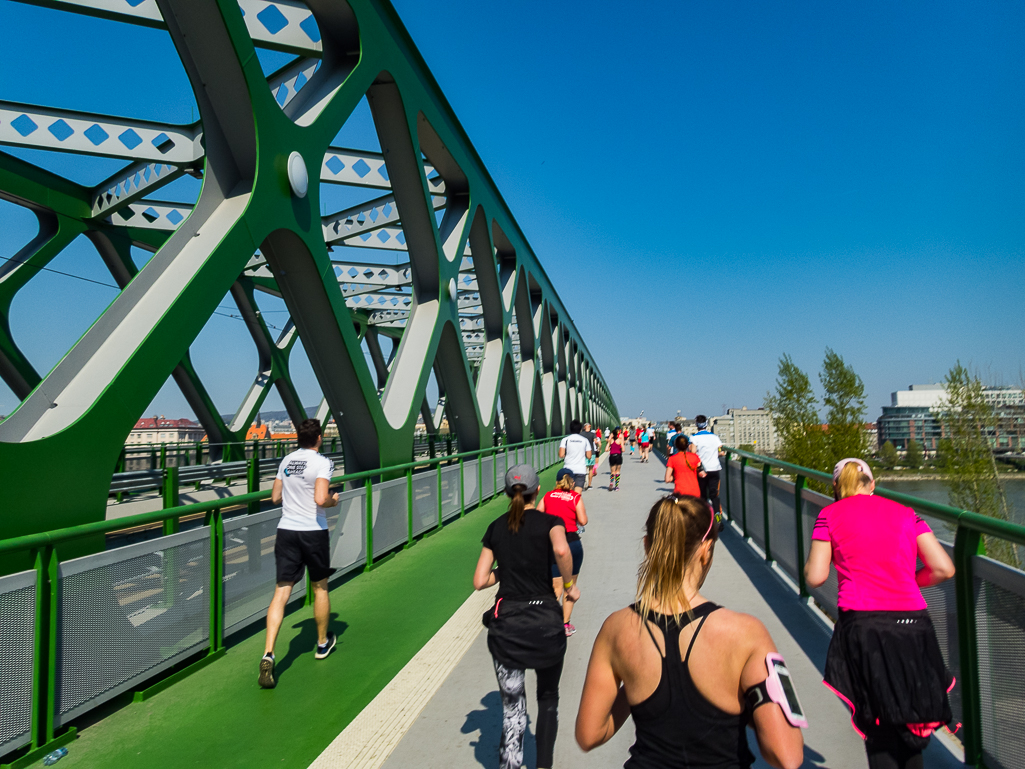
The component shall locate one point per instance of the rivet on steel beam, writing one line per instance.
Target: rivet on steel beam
(298, 178)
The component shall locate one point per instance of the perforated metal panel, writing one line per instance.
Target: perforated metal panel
(348, 524)
(501, 467)
(783, 526)
(449, 491)
(425, 501)
(390, 515)
(755, 514)
(129, 613)
(471, 487)
(487, 471)
(17, 637)
(734, 482)
(250, 572)
(942, 601)
(811, 505)
(1000, 624)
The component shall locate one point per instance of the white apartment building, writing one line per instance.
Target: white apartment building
(161, 430)
(746, 426)
(934, 396)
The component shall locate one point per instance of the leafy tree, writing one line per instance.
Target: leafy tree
(844, 399)
(888, 455)
(796, 421)
(913, 458)
(971, 468)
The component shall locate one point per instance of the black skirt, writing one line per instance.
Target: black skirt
(526, 633)
(888, 667)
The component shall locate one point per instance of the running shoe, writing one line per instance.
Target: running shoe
(327, 647)
(267, 672)
(570, 630)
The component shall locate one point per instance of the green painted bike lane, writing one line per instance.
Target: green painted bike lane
(219, 717)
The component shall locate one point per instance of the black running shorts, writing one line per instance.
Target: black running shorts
(295, 551)
(615, 460)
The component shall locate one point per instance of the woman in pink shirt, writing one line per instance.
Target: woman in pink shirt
(884, 660)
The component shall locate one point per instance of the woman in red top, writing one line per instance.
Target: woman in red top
(684, 468)
(616, 445)
(565, 504)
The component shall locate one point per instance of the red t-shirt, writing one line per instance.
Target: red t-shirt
(875, 551)
(563, 505)
(685, 473)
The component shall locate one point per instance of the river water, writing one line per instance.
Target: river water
(936, 491)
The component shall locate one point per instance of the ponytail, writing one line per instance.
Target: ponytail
(674, 530)
(850, 481)
(518, 505)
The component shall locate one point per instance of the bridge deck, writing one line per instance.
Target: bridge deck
(219, 717)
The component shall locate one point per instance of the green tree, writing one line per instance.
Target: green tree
(888, 455)
(971, 468)
(794, 416)
(844, 399)
(913, 458)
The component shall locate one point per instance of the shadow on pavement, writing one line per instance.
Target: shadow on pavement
(306, 641)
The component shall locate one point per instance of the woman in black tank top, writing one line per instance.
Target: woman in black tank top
(681, 671)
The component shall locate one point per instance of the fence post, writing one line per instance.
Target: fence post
(216, 524)
(409, 507)
(766, 472)
(44, 652)
(370, 524)
(967, 545)
(171, 498)
(462, 490)
(494, 469)
(726, 478)
(799, 484)
(440, 516)
(253, 477)
(480, 480)
(743, 494)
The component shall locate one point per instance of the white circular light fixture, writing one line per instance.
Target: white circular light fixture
(452, 289)
(298, 178)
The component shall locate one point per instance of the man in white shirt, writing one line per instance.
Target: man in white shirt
(708, 447)
(670, 437)
(575, 450)
(303, 489)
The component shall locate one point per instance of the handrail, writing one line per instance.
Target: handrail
(44, 538)
(953, 515)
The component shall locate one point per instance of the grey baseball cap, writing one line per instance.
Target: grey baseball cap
(525, 475)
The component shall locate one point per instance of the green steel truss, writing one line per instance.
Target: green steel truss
(472, 303)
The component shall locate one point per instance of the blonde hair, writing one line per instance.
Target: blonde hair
(850, 481)
(675, 528)
(565, 483)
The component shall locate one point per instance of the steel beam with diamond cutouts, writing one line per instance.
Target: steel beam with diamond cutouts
(442, 269)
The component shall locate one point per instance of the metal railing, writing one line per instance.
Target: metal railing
(135, 612)
(979, 615)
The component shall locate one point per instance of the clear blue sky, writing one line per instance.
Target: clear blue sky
(709, 185)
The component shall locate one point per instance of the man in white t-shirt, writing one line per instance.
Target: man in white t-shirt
(575, 450)
(303, 489)
(707, 446)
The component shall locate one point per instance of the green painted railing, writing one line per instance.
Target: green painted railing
(43, 549)
(969, 528)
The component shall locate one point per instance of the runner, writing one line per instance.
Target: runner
(592, 467)
(567, 505)
(670, 437)
(633, 439)
(616, 444)
(685, 714)
(574, 451)
(707, 445)
(525, 627)
(302, 488)
(683, 469)
(645, 444)
(900, 697)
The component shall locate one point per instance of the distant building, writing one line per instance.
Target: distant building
(914, 414)
(162, 430)
(744, 426)
(871, 435)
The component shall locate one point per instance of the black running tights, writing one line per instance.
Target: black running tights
(710, 489)
(511, 685)
(887, 750)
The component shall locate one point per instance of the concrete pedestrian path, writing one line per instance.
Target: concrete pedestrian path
(460, 724)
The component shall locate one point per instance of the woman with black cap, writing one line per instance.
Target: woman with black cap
(525, 627)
